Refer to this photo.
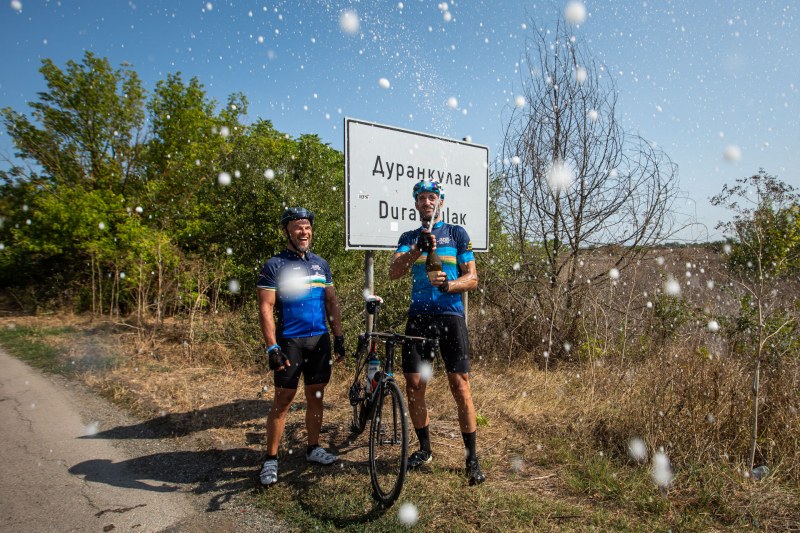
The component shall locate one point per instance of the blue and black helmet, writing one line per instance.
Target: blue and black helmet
(296, 213)
(428, 186)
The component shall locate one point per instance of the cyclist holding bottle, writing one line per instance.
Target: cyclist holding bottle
(437, 312)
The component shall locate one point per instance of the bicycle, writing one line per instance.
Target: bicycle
(384, 405)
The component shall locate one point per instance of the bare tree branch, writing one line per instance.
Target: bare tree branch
(570, 178)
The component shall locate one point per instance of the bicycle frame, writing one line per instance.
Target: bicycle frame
(385, 407)
(367, 344)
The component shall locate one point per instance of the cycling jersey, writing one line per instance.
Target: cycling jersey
(300, 284)
(454, 248)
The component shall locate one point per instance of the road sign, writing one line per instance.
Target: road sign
(382, 164)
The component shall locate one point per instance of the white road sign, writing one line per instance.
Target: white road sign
(382, 164)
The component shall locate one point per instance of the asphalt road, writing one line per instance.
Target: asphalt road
(72, 462)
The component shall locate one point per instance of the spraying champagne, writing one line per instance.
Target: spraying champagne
(433, 263)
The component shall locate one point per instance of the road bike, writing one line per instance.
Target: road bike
(383, 405)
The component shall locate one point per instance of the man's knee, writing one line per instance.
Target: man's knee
(315, 394)
(459, 385)
(283, 399)
(414, 385)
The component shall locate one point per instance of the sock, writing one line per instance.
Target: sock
(311, 447)
(469, 444)
(271, 457)
(424, 436)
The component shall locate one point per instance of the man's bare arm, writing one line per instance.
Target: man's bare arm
(333, 310)
(467, 281)
(402, 262)
(266, 306)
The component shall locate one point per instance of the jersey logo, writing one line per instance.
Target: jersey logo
(443, 240)
(469, 246)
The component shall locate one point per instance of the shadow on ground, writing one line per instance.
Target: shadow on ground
(181, 424)
(222, 473)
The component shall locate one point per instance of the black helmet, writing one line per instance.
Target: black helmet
(296, 213)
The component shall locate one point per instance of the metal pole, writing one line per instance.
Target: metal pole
(369, 280)
(465, 295)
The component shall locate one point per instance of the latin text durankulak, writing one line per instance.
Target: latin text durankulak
(409, 213)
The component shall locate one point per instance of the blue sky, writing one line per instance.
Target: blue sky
(702, 79)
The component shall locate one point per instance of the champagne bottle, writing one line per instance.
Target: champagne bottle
(433, 265)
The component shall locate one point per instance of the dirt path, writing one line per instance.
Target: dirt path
(72, 462)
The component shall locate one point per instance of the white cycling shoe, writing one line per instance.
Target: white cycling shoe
(269, 473)
(321, 456)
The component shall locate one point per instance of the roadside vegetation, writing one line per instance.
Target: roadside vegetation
(30, 345)
(620, 383)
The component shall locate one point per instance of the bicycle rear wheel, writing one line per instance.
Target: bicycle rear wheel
(388, 444)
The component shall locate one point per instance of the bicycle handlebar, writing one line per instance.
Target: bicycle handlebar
(373, 302)
(398, 336)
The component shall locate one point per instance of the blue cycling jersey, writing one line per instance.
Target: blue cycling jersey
(300, 284)
(454, 248)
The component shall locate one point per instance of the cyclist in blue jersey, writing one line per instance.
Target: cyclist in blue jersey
(437, 311)
(297, 303)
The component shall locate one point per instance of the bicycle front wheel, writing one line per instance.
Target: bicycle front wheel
(388, 444)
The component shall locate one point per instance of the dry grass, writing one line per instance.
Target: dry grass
(553, 445)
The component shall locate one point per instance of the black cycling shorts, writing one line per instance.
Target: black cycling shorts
(310, 356)
(451, 330)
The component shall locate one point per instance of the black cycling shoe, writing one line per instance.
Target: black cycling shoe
(419, 458)
(474, 472)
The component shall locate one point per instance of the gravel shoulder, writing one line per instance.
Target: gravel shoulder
(74, 462)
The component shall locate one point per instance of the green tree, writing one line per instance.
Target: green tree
(270, 171)
(86, 127)
(764, 242)
(182, 158)
(765, 229)
(78, 153)
(149, 258)
(133, 220)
